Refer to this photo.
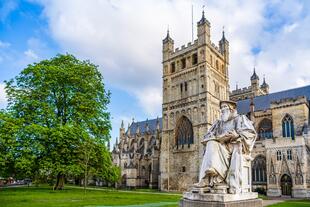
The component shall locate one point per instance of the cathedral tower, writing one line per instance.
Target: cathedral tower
(195, 79)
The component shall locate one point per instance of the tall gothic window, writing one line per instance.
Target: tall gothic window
(183, 63)
(194, 59)
(288, 127)
(259, 170)
(141, 146)
(172, 67)
(184, 132)
(279, 155)
(265, 129)
(289, 154)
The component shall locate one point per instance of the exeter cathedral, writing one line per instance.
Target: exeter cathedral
(166, 153)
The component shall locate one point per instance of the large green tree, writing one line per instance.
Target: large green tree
(58, 107)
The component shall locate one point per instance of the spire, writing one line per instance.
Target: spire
(203, 18)
(138, 129)
(265, 85)
(167, 38)
(254, 76)
(122, 124)
(223, 44)
(157, 124)
(223, 33)
(147, 125)
(203, 12)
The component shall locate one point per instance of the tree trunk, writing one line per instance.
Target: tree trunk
(85, 179)
(60, 182)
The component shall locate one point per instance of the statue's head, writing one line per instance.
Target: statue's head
(228, 110)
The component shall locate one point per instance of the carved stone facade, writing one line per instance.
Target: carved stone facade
(281, 154)
(137, 153)
(195, 79)
(251, 91)
(166, 153)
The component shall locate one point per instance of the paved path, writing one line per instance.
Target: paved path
(270, 202)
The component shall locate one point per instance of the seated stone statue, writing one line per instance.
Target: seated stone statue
(226, 143)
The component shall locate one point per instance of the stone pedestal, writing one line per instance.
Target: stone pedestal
(199, 198)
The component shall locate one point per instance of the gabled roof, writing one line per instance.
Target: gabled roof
(142, 126)
(262, 103)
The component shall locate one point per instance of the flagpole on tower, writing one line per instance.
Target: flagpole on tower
(192, 23)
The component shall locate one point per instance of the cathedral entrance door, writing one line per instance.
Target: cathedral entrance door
(286, 185)
(124, 181)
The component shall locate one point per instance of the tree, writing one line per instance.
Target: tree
(59, 104)
(95, 160)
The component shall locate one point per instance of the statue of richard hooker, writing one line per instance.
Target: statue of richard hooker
(228, 141)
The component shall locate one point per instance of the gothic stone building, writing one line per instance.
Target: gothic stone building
(195, 78)
(137, 153)
(281, 164)
(249, 92)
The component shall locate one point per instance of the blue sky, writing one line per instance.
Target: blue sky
(124, 39)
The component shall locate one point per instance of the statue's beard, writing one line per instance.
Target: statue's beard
(225, 115)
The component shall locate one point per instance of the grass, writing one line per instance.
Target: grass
(292, 203)
(43, 196)
(100, 197)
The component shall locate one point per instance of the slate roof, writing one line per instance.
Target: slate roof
(142, 125)
(262, 103)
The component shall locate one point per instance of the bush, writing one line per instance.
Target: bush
(260, 190)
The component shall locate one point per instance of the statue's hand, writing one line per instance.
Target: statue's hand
(233, 135)
(224, 138)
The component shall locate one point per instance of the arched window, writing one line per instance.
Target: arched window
(184, 132)
(132, 149)
(172, 66)
(259, 170)
(265, 129)
(152, 141)
(279, 155)
(183, 63)
(194, 59)
(288, 127)
(141, 146)
(289, 154)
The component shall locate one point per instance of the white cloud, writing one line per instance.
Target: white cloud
(150, 99)
(289, 28)
(125, 39)
(31, 54)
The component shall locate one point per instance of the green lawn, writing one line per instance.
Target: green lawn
(43, 196)
(293, 203)
(75, 197)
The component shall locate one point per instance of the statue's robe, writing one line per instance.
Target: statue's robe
(224, 160)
